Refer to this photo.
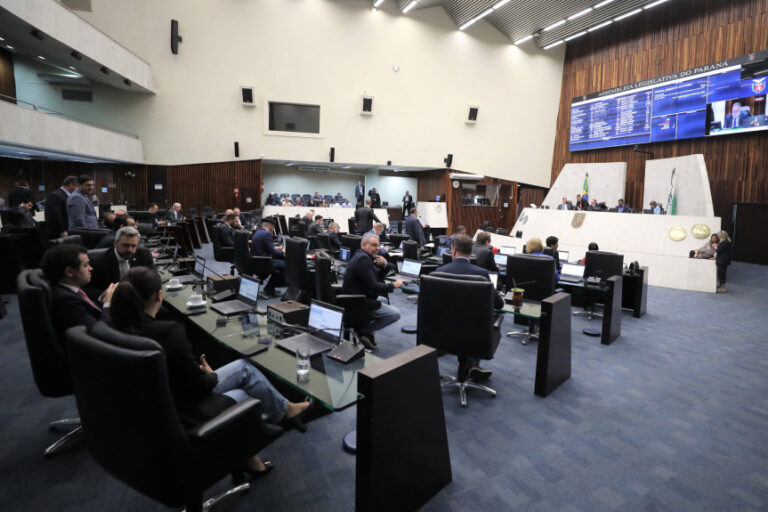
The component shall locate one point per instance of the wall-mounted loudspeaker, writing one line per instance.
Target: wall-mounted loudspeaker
(237, 149)
(472, 117)
(367, 106)
(175, 37)
(332, 154)
(246, 93)
(448, 160)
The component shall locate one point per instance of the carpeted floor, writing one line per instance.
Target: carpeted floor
(673, 416)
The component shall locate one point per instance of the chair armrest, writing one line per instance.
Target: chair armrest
(497, 321)
(336, 287)
(244, 414)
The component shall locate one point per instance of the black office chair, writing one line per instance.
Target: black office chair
(501, 231)
(192, 213)
(296, 273)
(70, 239)
(351, 241)
(245, 264)
(30, 243)
(443, 296)
(207, 211)
(133, 430)
(396, 239)
(91, 236)
(11, 263)
(536, 275)
(356, 312)
(411, 249)
(352, 226)
(323, 242)
(220, 252)
(46, 354)
(312, 242)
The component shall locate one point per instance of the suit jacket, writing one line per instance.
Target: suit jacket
(69, 309)
(729, 120)
(359, 191)
(56, 221)
(364, 217)
(562, 206)
(17, 195)
(80, 211)
(623, 209)
(107, 271)
(191, 387)
(407, 199)
(20, 217)
(315, 229)
(484, 257)
(173, 216)
(364, 278)
(262, 244)
(333, 238)
(226, 235)
(375, 199)
(107, 241)
(462, 266)
(414, 229)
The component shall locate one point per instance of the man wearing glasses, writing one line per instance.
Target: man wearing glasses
(365, 276)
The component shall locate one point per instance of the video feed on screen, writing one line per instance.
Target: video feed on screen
(727, 116)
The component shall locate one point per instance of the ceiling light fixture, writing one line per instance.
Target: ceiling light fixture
(502, 3)
(574, 36)
(627, 14)
(603, 3)
(73, 68)
(604, 24)
(9, 47)
(2, 39)
(556, 43)
(654, 4)
(580, 14)
(41, 57)
(476, 18)
(554, 25)
(377, 3)
(410, 6)
(526, 38)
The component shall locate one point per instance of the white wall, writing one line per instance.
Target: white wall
(392, 188)
(691, 184)
(331, 53)
(282, 179)
(606, 183)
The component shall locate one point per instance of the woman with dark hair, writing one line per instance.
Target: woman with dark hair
(200, 392)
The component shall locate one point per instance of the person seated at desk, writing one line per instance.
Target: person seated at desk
(707, 250)
(115, 223)
(565, 205)
(591, 247)
(316, 228)
(461, 230)
(365, 276)
(67, 268)
(200, 392)
(378, 230)
(21, 216)
(413, 227)
(656, 208)
(175, 214)
(553, 243)
(125, 253)
(262, 244)
(333, 236)
(737, 117)
(227, 230)
(534, 247)
(483, 251)
(593, 206)
(622, 208)
(461, 249)
(581, 203)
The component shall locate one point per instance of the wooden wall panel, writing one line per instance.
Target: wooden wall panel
(213, 184)
(433, 184)
(673, 37)
(7, 80)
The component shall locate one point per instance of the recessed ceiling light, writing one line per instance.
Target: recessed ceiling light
(502, 3)
(580, 14)
(554, 25)
(2, 39)
(526, 38)
(627, 14)
(556, 43)
(73, 68)
(378, 3)
(604, 2)
(347, 167)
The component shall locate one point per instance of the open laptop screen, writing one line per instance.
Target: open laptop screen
(249, 290)
(500, 259)
(325, 321)
(507, 250)
(572, 270)
(563, 255)
(344, 254)
(411, 267)
(199, 266)
(443, 250)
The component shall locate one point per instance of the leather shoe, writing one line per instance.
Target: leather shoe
(367, 341)
(479, 374)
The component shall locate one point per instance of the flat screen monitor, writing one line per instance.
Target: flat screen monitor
(535, 274)
(437, 199)
(500, 260)
(411, 267)
(345, 253)
(507, 250)
(569, 269)
(563, 255)
(249, 290)
(443, 250)
(325, 320)
(603, 264)
(199, 266)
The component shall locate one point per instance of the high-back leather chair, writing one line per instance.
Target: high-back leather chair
(411, 249)
(220, 253)
(323, 242)
(477, 335)
(295, 267)
(351, 241)
(352, 226)
(46, 352)
(30, 243)
(70, 239)
(91, 236)
(259, 266)
(133, 430)
(396, 239)
(356, 312)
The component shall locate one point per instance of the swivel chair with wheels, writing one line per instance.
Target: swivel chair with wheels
(601, 264)
(351, 241)
(132, 427)
(356, 313)
(471, 299)
(536, 275)
(221, 252)
(245, 264)
(411, 250)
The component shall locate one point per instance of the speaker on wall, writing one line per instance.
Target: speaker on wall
(472, 117)
(332, 154)
(237, 148)
(175, 37)
(367, 106)
(246, 93)
(448, 160)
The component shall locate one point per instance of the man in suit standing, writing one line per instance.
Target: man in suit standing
(375, 198)
(359, 192)
(364, 216)
(262, 245)
(461, 249)
(56, 222)
(737, 117)
(413, 227)
(581, 203)
(110, 266)
(175, 214)
(482, 250)
(407, 203)
(67, 269)
(80, 210)
(21, 216)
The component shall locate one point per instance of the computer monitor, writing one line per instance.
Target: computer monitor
(603, 264)
(325, 321)
(570, 269)
(535, 274)
(249, 290)
(437, 199)
(494, 278)
(500, 259)
(199, 269)
(443, 250)
(411, 267)
(345, 254)
(507, 250)
(563, 255)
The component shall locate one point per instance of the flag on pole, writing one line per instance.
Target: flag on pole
(585, 188)
(672, 197)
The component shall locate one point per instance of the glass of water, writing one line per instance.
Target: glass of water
(302, 364)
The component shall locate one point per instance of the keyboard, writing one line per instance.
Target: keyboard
(571, 279)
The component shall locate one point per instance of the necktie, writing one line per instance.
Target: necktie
(124, 267)
(85, 297)
(736, 121)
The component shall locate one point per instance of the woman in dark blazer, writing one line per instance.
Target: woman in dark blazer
(722, 259)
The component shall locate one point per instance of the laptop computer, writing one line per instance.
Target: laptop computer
(507, 250)
(572, 273)
(198, 272)
(246, 298)
(345, 254)
(323, 330)
(409, 272)
(500, 260)
(442, 250)
(563, 255)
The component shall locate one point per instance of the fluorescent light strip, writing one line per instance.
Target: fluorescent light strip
(410, 6)
(526, 38)
(377, 3)
(574, 36)
(41, 57)
(603, 3)
(604, 24)
(654, 4)
(501, 4)
(627, 15)
(2, 39)
(554, 25)
(556, 43)
(580, 14)
(9, 47)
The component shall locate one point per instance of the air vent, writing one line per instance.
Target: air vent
(75, 95)
(309, 168)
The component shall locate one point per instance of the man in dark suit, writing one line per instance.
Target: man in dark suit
(565, 205)
(116, 222)
(359, 192)
(482, 250)
(56, 221)
(407, 202)
(737, 117)
(333, 237)
(364, 216)
(365, 276)
(110, 266)
(262, 245)
(21, 216)
(19, 194)
(316, 228)
(460, 230)
(227, 230)
(581, 203)
(375, 198)
(80, 210)
(461, 249)
(67, 269)
(413, 227)
(621, 207)
(175, 214)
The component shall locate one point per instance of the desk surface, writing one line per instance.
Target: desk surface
(529, 309)
(332, 383)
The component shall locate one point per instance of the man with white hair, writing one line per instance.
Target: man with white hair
(175, 214)
(111, 265)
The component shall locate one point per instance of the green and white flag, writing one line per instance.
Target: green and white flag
(672, 197)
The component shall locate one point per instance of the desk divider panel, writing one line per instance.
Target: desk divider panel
(402, 444)
(612, 312)
(553, 359)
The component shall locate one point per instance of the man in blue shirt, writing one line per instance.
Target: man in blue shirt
(80, 210)
(262, 245)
